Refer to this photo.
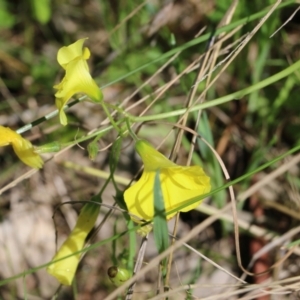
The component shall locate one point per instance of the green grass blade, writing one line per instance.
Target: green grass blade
(160, 227)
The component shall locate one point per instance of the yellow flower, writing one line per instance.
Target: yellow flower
(22, 147)
(178, 183)
(77, 78)
(64, 269)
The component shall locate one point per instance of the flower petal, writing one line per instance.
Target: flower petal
(7, 136)
(179, 184)
(60, 104)
(189, 177)
(22, 147)
(26, 154)
(76, 80)
(139, 197)
(151, 158)
(68, 53)
(64, 269)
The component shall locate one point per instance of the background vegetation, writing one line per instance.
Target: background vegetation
(151, 55)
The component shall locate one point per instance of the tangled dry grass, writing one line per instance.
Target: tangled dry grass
(249, 130)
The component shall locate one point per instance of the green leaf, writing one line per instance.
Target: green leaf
(160, 227)
(211, 163)
(115, 154)
(7, 19)
(132, 245)
(47, 148)
(113, 162)
(93, 149)
(41, 10)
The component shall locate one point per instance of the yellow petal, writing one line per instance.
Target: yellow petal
(179, 184)
(76, 80)
(152, 159)
(60, 104)
(26, 154)
(22, 147)
(68, 53)
(189, 177)
(7, 136)
(139, 197)
(64, 270)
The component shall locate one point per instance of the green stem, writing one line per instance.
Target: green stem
(118, 109)
(111, 119)
(201, 39)
(187, 45)
(234, 96)
(133, 135)
(48, 116)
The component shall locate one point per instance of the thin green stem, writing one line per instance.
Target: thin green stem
(48, 116)
(111, 119)
(57, 146)
(133, 135)
(234, 96)
(161, 57)
(118, 109)
(233, 182)
(201, 39)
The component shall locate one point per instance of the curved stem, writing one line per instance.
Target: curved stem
(234, 96)
(133, 135)
(111, 119)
